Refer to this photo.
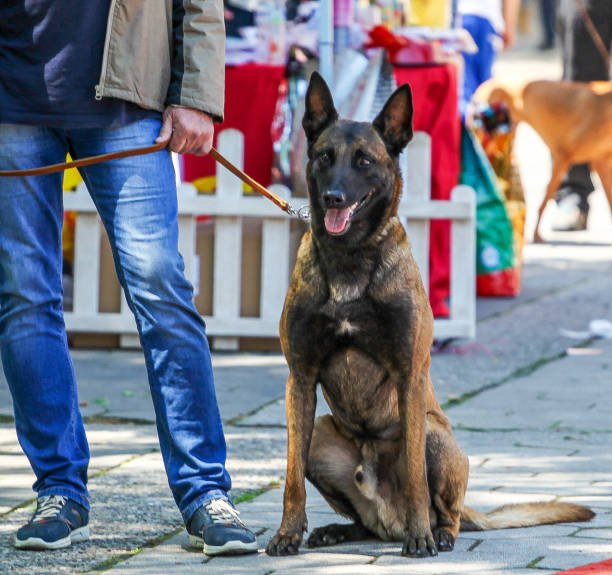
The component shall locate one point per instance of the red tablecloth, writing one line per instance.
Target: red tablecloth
(434, 92)
(251, 93)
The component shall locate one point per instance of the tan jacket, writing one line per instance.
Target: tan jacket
(162, 52)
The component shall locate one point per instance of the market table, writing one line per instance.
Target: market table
(434, 94)
(251, 94)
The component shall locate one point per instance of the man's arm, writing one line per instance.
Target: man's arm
(510, 12)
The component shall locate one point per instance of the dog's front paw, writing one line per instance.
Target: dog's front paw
(284, 544)
(419, 545)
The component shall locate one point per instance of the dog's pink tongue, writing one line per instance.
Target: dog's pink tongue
(336, 220)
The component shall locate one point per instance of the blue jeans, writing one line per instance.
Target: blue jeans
(479, 66)
(136, 200)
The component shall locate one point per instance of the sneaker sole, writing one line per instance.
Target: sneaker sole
(229, 548)
(77, 536)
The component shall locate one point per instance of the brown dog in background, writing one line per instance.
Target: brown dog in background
(574, 119)
(357, 321)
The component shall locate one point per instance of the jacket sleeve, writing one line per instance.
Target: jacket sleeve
(198, 56)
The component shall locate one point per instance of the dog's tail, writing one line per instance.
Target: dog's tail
(524, 515)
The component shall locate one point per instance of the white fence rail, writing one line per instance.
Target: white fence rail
(229, 207)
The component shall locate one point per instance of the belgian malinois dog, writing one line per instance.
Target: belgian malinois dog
(357, 321)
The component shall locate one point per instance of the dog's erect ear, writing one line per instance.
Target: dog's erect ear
(394, 123)
(320, 111)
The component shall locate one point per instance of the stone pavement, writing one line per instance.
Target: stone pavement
(530, 406)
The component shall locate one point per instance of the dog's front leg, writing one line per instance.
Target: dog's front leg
(300, 400)
(418, 541)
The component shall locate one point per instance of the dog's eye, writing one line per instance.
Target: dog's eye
(324, 159)
(364, 162)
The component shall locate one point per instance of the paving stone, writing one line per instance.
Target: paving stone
(173, 554)
(274, 413)
(591, 533)
(541, 533)
(569, 553)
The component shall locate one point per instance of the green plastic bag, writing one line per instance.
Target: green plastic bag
(496, 264)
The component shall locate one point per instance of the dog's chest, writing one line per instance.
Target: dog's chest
(346, 290)
(349, 315)
(360, 393)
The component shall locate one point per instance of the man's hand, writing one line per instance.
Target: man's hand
(187, 131)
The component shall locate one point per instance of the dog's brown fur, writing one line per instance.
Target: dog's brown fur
(357, 320)
(574, 119)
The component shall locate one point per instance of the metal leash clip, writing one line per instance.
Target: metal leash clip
(302, 213)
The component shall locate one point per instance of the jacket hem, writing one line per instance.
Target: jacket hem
(146, 103)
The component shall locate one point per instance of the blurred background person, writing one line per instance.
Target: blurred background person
(492, 25)
(585, 31)
(548, 19)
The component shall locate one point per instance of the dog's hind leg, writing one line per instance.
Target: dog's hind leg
(604, 170)
(332, 461)
(559, 169)
(447, 477)
(336, 533)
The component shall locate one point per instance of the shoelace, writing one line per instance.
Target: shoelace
(49, 506)
(220, 511)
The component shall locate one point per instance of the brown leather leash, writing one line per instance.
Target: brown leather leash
(597, 39)
(301, 213)
(52, 168)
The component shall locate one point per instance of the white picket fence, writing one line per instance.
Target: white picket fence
(229, 207)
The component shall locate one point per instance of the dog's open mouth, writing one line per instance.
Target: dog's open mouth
(338, 220)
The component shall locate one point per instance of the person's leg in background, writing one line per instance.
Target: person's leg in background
(548, 17)
(582, 62)
(33, 340)
(479, 66)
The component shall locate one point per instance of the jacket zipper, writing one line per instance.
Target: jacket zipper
(100, 85)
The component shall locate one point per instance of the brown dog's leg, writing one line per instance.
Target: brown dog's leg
(418, 540)
(604, 169)
(331, 469)
(559, 169)
(336, 533)
(300, 399)
(447, 474)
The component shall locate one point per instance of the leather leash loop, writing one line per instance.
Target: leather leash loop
(301, 213)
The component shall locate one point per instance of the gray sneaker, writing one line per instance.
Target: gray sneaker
(571, 214)
(216, 528)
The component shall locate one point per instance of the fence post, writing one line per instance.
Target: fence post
(463, 262)
(415, 163)
(86, 260)
(228, 240)
(275, 247)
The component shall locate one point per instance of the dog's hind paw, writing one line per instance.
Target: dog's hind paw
(335, 533)
(445, 541)
(284, 544)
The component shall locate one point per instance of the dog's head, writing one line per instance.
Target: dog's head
(353, 175)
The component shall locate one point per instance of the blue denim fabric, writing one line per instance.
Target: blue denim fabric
(136, 199)
(478, 67)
